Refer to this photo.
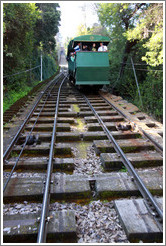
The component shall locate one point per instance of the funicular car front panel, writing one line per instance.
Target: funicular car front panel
(92, 68)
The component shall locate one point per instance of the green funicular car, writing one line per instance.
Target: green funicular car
(87, 66)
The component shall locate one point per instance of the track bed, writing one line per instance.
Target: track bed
(93, 197)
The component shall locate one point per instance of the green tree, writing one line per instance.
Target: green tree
(149, 32)
(152, 94)
(149, 29)
(98, 29)
(118, 18)
(135, 30)
(45, 31)
(18, 37)
(47, 26)
(25, 27)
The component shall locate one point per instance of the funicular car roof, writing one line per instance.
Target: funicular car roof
(91, 38)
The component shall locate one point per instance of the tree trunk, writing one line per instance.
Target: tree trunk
(127, 51)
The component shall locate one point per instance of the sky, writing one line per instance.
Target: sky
(72, 16)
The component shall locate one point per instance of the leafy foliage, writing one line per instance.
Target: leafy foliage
(47, 25)
(135, 30)
(19, 22)
(98, 30)
(28, 29)
(152, 94)
(150, 29)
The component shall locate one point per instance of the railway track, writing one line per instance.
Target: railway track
(83, 174)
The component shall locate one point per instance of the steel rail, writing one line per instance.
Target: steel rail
(141, 186)
(146, 134)
(14, 140)
(44, 213)
(27, 138)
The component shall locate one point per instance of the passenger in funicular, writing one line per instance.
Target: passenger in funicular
(72, 57)
(94, 47)
(102, 47)
(78, 47)
(85, 48)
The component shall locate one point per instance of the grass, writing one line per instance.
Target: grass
(76, 108)
(80, 125)
(13, 95)
(123, 169)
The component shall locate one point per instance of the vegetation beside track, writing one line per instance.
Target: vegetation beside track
(28, 30)
(22, 95)
(135, 31)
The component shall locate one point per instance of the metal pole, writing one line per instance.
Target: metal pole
(136, 81)
(41, 67)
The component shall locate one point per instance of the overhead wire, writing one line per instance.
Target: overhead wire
(20, 72)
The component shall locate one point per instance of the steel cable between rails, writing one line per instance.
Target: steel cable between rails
(141, 186)
(27, 138)
(46, 197)
(15, 138)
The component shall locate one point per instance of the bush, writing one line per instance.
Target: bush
(152, 94)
